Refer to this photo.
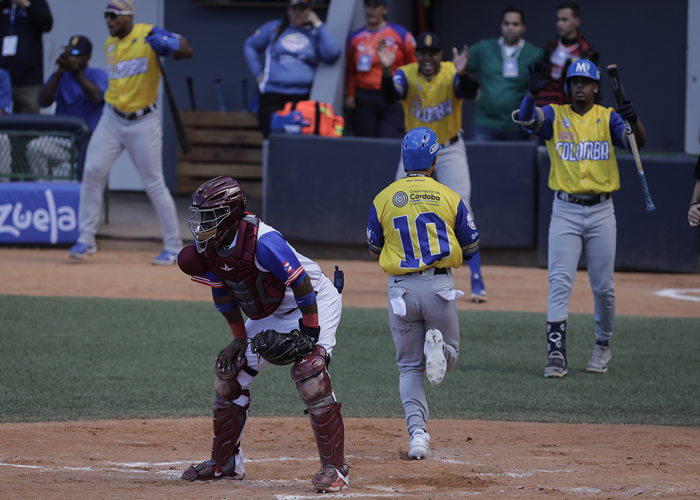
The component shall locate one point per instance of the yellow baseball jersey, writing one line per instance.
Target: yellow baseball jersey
(417, 223)
(133, 71)
(582, 148)
(435, 104)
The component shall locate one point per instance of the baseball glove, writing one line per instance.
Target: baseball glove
(281, 348)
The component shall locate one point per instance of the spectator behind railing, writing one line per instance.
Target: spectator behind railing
(78, 91)
(568, 46)
(502, 66)
(293, 48)
(22, 24)
(5, 108)
(370, 115)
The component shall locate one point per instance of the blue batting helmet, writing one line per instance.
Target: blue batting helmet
(419, 148)
(581, 67)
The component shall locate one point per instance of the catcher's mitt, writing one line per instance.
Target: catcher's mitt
(281, 348)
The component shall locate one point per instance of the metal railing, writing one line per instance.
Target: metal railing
(27, 155)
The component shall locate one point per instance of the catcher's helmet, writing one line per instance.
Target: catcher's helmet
(216, 205)
(419, 148)
(581, 67)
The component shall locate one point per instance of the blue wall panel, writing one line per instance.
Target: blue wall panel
(504, 193)
(333, 183)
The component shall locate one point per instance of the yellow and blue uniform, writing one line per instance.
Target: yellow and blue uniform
(133, 71)
(583, 174)
(581, 148)
(417, 223)
(436, 104)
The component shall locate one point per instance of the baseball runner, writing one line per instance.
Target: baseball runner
(252, 269)
(581, 139)
(418, 230)
(432, 93)
(131, 121)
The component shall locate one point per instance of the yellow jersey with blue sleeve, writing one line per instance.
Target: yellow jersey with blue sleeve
(416, 223)
(436, 104)
(133, 71)
(581, 147)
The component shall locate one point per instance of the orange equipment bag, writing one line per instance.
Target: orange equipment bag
(322, 120)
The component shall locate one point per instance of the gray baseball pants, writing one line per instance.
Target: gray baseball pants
(574, 228)
(425, 308)
(143, 140)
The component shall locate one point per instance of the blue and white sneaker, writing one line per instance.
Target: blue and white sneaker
(478, 289)
(80, 250)
(164, 258)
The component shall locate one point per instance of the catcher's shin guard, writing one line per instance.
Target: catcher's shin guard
(229, 421)
(314, 386)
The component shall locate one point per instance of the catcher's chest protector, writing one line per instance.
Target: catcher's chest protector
(258, 294)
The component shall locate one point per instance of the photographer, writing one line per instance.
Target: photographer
(78, 91)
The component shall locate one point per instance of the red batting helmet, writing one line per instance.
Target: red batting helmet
(216, 205)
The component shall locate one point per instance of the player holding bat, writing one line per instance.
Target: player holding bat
(131, 122)
(581, 138)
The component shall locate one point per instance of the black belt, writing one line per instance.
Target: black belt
(135, 114)
(438, 270)
(587, 200)
(452, 141)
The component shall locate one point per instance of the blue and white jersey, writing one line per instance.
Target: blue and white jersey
(291, 60)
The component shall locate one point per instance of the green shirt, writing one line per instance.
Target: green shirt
(500, 95)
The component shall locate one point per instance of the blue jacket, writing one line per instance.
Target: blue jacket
(290, 62)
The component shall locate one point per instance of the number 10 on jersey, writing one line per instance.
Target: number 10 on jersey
(428, 228)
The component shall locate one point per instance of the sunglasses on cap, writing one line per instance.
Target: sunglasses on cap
(111, 15)
(75, 52)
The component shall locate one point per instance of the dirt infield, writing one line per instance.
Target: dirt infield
(144, 458)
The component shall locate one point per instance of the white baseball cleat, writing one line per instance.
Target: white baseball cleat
(419, 444)
(435, 362)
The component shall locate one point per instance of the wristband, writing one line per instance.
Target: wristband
(306, 300)
(238, 330)
(310, 320)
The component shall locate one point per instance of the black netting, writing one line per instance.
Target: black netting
(27, 155)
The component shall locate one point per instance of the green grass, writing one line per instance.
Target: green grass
(69, 359)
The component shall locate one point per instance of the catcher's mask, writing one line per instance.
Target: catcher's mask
(216, 205)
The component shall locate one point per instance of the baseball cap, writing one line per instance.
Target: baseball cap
(428, 40)
(80, 43)
(121, 7)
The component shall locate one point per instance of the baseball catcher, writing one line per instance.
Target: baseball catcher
(293, 312)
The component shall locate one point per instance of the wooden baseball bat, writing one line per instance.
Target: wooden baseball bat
(177, 119)
(619, 92)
